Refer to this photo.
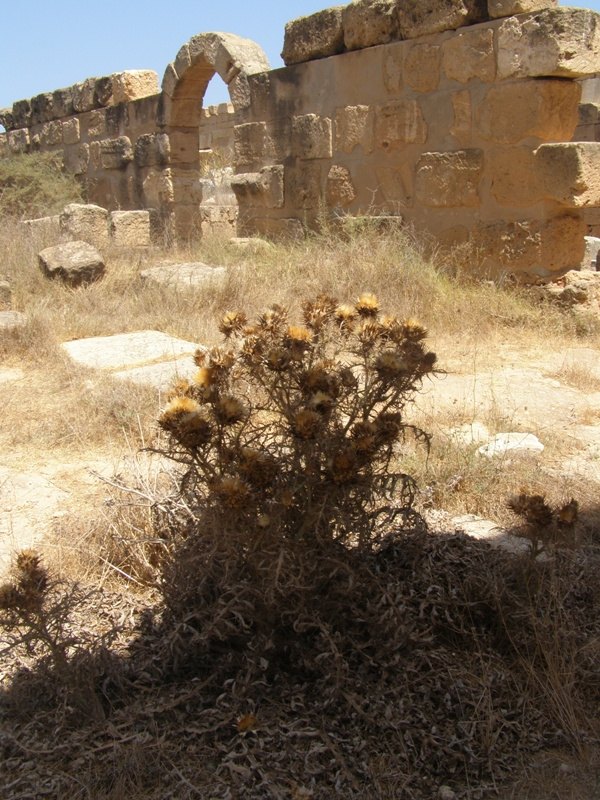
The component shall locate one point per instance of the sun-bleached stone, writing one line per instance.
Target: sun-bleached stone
(73, 263)
(264, 188)
(422, 67)
(354, 127)
(398, 123)
(369, 22)
(469, 55)
(446, 180)
(508, 8)
(315, 36)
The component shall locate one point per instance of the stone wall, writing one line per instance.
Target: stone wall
(465, 133)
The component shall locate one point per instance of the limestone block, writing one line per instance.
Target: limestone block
(18, 141)
(503, 443)
(97, 123)
(429, 16)
(133, 84)
(182, 276)
(170, 80)
(183, 59)
(130, 228)
(393, 67)
(11, 321)
(250, 142)
(41, 108)
(87, 223)
(304, 184)
(546, 109)
(398, 123)
(158, 190)
(73, 263)
(562, 42)
(219, 221)
(393, 184)
(117, 119)
(280, 229)
(62, 103)
(95, 156)
(21, 114)
(513, 175)
(315, 36)
(531, 249)
(71, 133)
(116, 153)
(51, 133)
(340, 189)
(311, 137)
(6, 118)
(462, 127)
(77, 158)
(422, 67)
(354, 127)
(570, 172)
(43, 228)
(264, 188)
(152, 149)
(239, 91)
(84, 95)
(447, 180)
(279, 139)
(508, 8)
(104, 90)
(470, 55)
(369, 22)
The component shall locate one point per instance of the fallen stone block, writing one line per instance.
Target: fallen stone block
(250, 244)
(11, 320)
(183, 276)
(73, 263)
(315, 36)
(126, 351)
(130, 228)
(511, 443)
(84, 223)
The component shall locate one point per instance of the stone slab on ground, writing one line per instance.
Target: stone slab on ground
(11, 320)
(161, 375)
(183, 276)
(126, 351)
(514, 442)
(488, 531)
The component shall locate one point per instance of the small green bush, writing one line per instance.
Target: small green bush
(34, 185)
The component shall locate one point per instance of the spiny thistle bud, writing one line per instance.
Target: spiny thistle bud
(319, 380)
(568, 513)
(365, 438)
(10, 599)
(348, 378)
(413, 330)
(273, 319)
(369, 332)
(184, 420)
(427, 363)
(232, 323)
(532, 508)
(181, 388)
(278, 359)
(389, 426)
(367, 305)
(221, 359)
(258, 467)
(200, 357)
(318, 312)
(392, 329)
(229, 410)
(32, 579)
(252, 350)
(343, 466)
(306, 424)
(389, 364)
(321, 402)
(232, 492)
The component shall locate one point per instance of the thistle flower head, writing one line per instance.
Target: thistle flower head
(297, 340)
(413, 330)
(367, 305)
(365, 439)
(321, 402)
(273, 319)
(32, 579)
(205, 377)
(220, 359)
(319, 379)
(348, 378)
(231, 492)
(390, 364)
(230, 410)
(306, 424)
(316, 313)
(343, 465)
(392, 329)
(200, 356)
(389, 427)
(278, 359)
(533, 508)
(10, 597)
(252, 350)
(257, 467)
(184, 420)
(232, 323)
(369, 332)
(427, 363)
(181, 388)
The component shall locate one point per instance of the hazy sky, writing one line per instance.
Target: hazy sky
(47, 46)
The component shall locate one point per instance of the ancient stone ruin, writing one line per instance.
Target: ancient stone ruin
(472, 120)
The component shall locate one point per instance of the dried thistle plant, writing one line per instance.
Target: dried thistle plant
(545, 527)
(289, 431)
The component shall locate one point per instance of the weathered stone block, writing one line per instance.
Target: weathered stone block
(84, 95)
(250, 142)
(315, 36)
(470, 55)
(514, 178)
(158, 190)
(184, 146)
(41, 108)
(447, 180)
(95, 156)
(398, 123)
(422, 67)
(117, 119)
(152, 149)
(393, 67)
(508, 8)
(21, 114)
(130, 228)
(116, 153)
(340, 189)
(97, 123)
(569, 172)
(462, 127)
(562, 42)
(429, 16)
(18, 141)
(354, 127)
(51, 133)
(304, 184)
(88, 223)
(76, 159)
(6, 118)
(311, 137)
(369, 22)
(71, 133)
(133, 84)
(46, 229)
(279, 139)
(73, 263)
(546, 109)
(62, 103)
(104, 90)
(264, 188)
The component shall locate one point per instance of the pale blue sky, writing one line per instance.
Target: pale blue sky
(47, 46)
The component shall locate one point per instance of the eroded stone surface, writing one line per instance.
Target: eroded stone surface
(127, 350)
(369, 22)
(445, 180)
(183, 276)
(130, 228)
(86, 223)
(470, 55)
(74, 263)
(11, 321)
(316, 36)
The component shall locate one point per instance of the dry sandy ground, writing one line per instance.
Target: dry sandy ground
(554, 395)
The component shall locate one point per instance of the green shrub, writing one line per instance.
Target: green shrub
(34, 185)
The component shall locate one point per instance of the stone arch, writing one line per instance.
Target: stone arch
(184, 84)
